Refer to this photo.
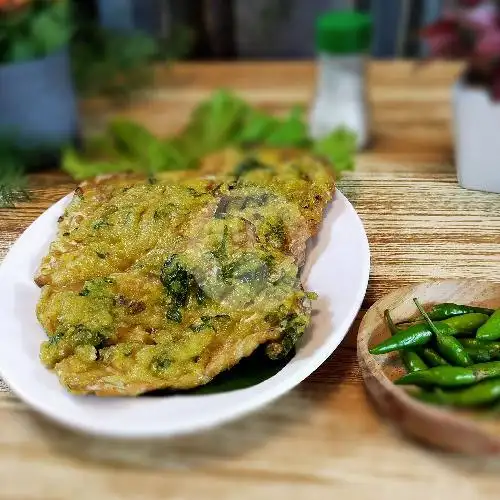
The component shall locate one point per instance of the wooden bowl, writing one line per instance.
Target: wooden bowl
(471, 432)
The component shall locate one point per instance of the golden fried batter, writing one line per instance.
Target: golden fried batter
(167, 282)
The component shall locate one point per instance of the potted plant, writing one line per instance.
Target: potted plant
(471, 31)
(131, 15)
(38, 109)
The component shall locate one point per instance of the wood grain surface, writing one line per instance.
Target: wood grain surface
(323, 438)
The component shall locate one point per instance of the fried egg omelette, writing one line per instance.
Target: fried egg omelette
(164, 283)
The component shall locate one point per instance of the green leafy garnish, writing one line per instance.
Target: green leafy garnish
(224, 120)
(292, 132)
(216, 122)
(80, 167)
(339, 148)
(256, 126)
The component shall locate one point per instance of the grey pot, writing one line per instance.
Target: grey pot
(38, 105)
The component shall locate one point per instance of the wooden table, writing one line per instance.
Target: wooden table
(323, 438)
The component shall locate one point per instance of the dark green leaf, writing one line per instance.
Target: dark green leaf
(174, 314)
(176, 281)
(248, 372)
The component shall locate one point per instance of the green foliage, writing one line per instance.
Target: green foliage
(221, 121)
(34, 30)
(13, 182)
(114, 64)
(111, 63)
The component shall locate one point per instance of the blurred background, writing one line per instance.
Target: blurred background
(261, 29)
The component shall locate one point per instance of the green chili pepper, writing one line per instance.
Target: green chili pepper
(452, 350)
(431, 357)
(491, 329)
(479, 354)
(447, 345)
(448, 310)
(421, 334)
(487, 391)
(412, 361)
(481, 350)
(467, 342)
(452, 376)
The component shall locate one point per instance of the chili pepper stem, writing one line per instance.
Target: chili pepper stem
(432, 326)
(448, 346)
(411, 360)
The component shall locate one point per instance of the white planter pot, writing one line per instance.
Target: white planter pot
(477, 138)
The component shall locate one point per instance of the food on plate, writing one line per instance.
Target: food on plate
(165, 282)
(461, 372)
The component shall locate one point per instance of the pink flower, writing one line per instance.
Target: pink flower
(443, 38)
(484, 16)
(471, 31)
(488, 44)
(470, 3)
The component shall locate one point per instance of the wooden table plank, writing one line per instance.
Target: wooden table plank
(323, 437)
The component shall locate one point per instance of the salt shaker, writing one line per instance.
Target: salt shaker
(343, 39)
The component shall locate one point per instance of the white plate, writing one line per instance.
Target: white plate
(337, 269)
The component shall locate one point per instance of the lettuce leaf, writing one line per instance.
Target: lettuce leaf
(81, 168)
(291, 132)
(215, 123)
(221, 121)
(339, 148)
